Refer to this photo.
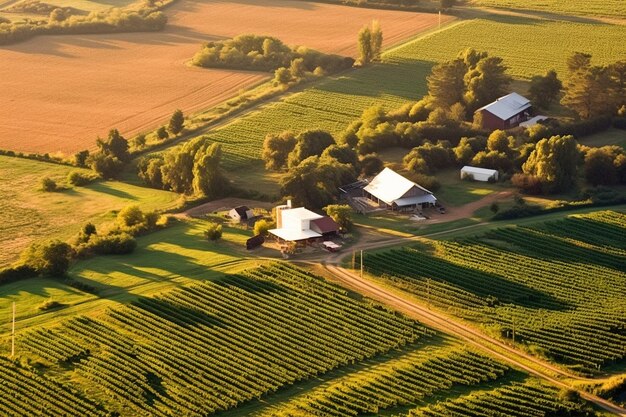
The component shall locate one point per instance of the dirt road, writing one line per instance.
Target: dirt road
(471, 336)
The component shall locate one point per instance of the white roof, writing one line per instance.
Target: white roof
(301, 213)
(478, 170)
(533, 121)
(389, 186)
(420, 199)
(507, 106)
(294, 234)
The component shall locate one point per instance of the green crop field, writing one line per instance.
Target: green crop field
(30, 214)
(559, 287)
(615, 8)
(215, 344)
(528, 46)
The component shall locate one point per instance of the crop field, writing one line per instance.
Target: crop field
(333, 104)
(135, 81)
(29, 214)
(237, 337)
(558, 288)
(615, 8)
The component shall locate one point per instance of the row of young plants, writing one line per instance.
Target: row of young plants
(216, 345)
(561, 295)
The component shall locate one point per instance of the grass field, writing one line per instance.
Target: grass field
(609, 137)
(333, 104)
(555, 287)
(614, 8)
(48, 100)
(30, 214)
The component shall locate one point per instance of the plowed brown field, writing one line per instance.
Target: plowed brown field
(60, 92)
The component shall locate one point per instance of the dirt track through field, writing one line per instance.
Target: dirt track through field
(61, 92)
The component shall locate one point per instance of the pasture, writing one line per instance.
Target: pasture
(29, 214)
(67, 90)
(612, 8)
(556, 288)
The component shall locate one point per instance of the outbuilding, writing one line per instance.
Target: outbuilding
(241, 213)
(506, 112)
(391, 190)
(479, 174)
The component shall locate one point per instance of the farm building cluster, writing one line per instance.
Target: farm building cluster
(507, 112)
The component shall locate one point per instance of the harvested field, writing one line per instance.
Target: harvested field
(61, 92)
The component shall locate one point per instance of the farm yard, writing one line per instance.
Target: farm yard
(556, 287)
(135, 81)
(30, 214)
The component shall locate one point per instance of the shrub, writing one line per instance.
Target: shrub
(130, 216)
(16, 273)
(112, 244)
(79, 178)
(262, 226)
(50, 304)
(426, 181)
(214, 231)
(48, 184)
(52, 258)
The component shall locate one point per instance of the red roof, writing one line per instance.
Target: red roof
(324, 225)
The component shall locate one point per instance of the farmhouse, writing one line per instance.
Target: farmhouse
(299, 224)
(393, 191)
(506, 112)
(241, 213)
(479, 174)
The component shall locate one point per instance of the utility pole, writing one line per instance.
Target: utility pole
(361, 263)
(13, 333)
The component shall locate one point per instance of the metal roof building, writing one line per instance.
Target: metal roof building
(506, 112)
(396, 191)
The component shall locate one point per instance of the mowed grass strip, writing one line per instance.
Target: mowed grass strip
(615, 8)
(29, 214)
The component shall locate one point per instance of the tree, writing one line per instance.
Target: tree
(57, 15)
(494, 207)
(297, 69)
(603, 165)
(276, 149)
(486, 83)
(498, 141)
(262, 226)
(282, 76)
(446, 83)
(590, 92)
(464, 152)
(365, 46)
(208, 179)
(139, 141)
(578, 61)
(80, 158)
(544, 90)
(342, 153)
(106, 166)
(310, 143)
(376, 39)
(52, 258)
(213, 231)
(130, 216)
(177, 122)
(341, 214)
(48, 184)
(371, 164)
(555, 163)
(114, 145)
(162, 133)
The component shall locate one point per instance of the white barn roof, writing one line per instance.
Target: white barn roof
(507, 106)
(296, 224)
(390, 186)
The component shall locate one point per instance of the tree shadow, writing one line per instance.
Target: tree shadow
(104, 188)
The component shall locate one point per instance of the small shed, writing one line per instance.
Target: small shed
(479, 174)
(241, 213)
(254, 242)
(325, 226)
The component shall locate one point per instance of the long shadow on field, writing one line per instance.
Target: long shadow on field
(604, 234)
(541, 246)
(104, 188)
(535, 17)
(413, 264)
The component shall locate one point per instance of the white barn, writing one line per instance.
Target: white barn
(394, 191)
(479, 174)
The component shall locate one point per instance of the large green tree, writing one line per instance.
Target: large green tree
(544, 90)
(114, 145)
(177, 122)
(52, 258)
(446, 83)
(555, 163)
(208, 179)
(276, 149)
(486, 82)
(310, 143)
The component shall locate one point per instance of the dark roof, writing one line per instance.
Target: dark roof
(325, 225)
(241, 210)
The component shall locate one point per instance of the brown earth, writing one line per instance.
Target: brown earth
(61, 92)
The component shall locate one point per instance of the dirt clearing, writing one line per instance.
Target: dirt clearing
(61, 92)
